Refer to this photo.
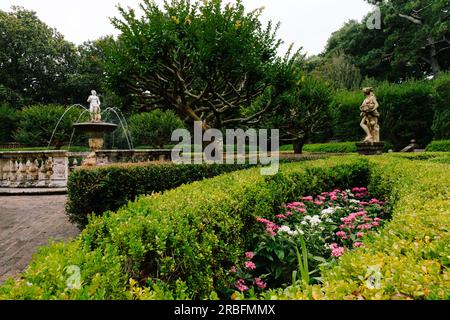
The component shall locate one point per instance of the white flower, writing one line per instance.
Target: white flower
(327, 212)
(354, 201)
(304, 223)
(307, 218)
(285, 229)
(315, 220)
(297, 232)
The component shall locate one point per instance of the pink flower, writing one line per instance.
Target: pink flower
(336, 251)
(261, 284)
(318, 203)
(334, 198)
(377, 219)
(240, 285)
(361, 214)
(359, 235)
(262, 220)
(233, 269)
(301, 210)
(308, 198)
(249, 255)
(358, 244)
(341, 234)
(289, 213)
(375, 224)
(250, 265)
(354, 190)
(281, 216)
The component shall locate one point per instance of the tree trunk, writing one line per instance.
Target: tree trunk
(433, 56)
(298, 146)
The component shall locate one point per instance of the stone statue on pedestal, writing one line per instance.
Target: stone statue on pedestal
(370, 115)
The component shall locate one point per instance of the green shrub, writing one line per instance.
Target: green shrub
(108, 188)
(335, 147)
(37, 124)
(191, 234)
(8, 120)
(441, 122)
(179, 244)
(154, 128)
(439, 146)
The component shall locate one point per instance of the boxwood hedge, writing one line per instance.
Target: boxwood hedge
(439, 146)
(178, 244)
(97, 190)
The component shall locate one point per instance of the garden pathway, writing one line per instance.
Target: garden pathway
(27, 222)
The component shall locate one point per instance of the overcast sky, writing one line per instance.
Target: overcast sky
(307, 23)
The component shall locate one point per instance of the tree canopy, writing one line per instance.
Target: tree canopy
(207, 61)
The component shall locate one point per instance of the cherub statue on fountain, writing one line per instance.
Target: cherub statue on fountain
(94, 107)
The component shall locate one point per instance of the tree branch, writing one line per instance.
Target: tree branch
(411, 19)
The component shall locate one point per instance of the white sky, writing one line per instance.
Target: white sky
(307, 23)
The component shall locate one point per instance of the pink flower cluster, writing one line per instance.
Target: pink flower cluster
(360, 192)
(271, 227)
(241, 286)
(260, 284)
(336, 251)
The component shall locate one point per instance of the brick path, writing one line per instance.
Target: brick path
(27, 222)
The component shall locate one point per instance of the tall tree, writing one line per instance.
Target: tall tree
(208, 61)
(34, 59)
(413, 40)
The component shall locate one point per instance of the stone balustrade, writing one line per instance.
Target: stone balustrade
(34, 169)
(50, 169)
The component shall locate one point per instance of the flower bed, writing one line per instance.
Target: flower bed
(321, 227)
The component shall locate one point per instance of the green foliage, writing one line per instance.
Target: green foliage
(439, 146)
(441, 122)
(407, 112)
(304, 114)
(8, 120)
(154, 128)
(412, 42)
(408, 258)
(35, 59)
(193, 234)
(95, 191)
(37, 123)
(206, 59)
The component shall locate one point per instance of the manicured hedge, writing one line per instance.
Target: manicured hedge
(439, 146)
(332, 147)
(187, 237)
(108, 188)
(411, 252)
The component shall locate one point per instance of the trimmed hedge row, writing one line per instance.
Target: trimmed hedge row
(97, 190)
(332, 147)
(439, 146)
(179, 243)
(408, 259)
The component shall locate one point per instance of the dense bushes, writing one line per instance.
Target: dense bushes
(336, 147)
(439, 146)
(8, 120)
(154, 128)
(37, 123)
(179, 244)
(410, 110)
(101, 189)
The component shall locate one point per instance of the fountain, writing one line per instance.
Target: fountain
(96, 129)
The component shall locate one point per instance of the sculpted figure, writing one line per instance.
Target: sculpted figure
(94, 107)
(370, 115)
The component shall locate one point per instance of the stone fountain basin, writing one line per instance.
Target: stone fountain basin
(96, 127)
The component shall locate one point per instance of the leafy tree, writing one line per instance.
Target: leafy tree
(35, 59)
(441, 123)
(208, 61)
(339, 72)
(305, 112)
(154, 128)
(38, 122)
(413, 40)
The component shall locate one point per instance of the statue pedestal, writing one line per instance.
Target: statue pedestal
(370, 148)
